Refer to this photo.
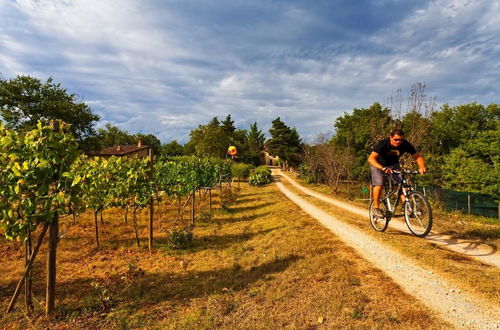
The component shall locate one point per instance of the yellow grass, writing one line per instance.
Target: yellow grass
(259, 263)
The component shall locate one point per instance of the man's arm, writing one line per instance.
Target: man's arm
(420, 161)
(372, 160)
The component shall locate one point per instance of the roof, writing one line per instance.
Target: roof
(120, 150)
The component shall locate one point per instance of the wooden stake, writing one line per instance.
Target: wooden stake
(96, 225)
(28, 285)
(151, 204)
(28, 267)
(193, 206)
(50, 296)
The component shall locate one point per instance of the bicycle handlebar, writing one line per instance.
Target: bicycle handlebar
(405, 172)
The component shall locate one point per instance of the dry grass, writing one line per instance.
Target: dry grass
(259, 263)
(471, 276)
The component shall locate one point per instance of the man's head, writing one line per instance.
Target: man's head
(397, 137)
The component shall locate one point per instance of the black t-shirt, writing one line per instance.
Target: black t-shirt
(388, 155)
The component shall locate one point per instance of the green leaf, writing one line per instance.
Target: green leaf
(76, 180)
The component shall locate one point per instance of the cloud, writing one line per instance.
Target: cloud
(166, 67)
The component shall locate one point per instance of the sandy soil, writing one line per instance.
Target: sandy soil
(458, 308)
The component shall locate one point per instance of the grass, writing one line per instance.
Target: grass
(465, 273)
(259, 262)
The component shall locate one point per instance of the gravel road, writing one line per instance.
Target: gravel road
(456, 307)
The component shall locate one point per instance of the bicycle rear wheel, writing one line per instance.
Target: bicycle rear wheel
(418, 214)
(378, 223)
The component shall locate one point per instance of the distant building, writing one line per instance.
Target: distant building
(127, 151)
(267, 159)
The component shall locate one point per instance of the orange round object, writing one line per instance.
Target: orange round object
(232, 150)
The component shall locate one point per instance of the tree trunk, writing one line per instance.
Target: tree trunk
(102, 220)
(126, 213)
(50, 296)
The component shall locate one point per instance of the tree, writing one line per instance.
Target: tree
(453, 126)
(255, 144)
(149, 140)
(475, 166)
(111, 136)
(209, 140)
(172, 148)
(285, 142)
(359, 131)
(25, 100)
(228, 126)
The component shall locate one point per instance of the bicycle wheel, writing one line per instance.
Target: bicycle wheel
(418, 214)
(378, 223)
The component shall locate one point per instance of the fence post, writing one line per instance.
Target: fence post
(468, 204)
(151, 203)
(50, 295)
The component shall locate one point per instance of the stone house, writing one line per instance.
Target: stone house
(267, 159)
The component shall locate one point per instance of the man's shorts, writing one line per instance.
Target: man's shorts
(378, 175)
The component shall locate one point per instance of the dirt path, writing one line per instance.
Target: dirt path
(457, 308)
(476, 249)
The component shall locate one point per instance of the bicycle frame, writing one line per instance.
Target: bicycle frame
(400, 188)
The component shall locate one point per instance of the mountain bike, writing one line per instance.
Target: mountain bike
(416, 209)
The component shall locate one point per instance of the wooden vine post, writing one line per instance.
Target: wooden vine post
(52, 252)
(193, 206)
(151, 203)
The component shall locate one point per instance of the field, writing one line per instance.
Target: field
(259, 262)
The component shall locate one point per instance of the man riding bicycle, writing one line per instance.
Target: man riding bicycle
(385, 158)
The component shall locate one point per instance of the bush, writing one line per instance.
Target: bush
(241, 170)
(260, 176)
(180, 239)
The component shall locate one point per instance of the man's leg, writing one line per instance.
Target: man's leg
(377, 192)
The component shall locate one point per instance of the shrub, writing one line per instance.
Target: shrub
(241, 170)
(260, 176)
(180, 239)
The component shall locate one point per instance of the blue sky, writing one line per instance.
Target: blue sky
(164, 67)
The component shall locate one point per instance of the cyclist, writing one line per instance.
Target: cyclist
(385, 158)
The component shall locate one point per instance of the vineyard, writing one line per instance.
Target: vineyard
(44, 180)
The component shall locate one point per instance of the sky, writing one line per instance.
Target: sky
(163, 67)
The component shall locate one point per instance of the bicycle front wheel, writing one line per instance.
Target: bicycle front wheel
(418, 214)
(378, 223)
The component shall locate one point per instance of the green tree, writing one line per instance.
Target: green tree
(285, 142)
(255, 144)
(149, 140)
(25, 100)
(209, 140)
(359, 131)
(228, 126)
(475, 166)
(453, 126)
(172, 148)
(112, 136)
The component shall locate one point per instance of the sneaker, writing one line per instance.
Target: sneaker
(378, 213)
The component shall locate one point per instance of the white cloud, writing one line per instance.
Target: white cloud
(167, 67)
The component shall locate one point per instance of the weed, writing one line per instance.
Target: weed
(182, 238)
(206, 216)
